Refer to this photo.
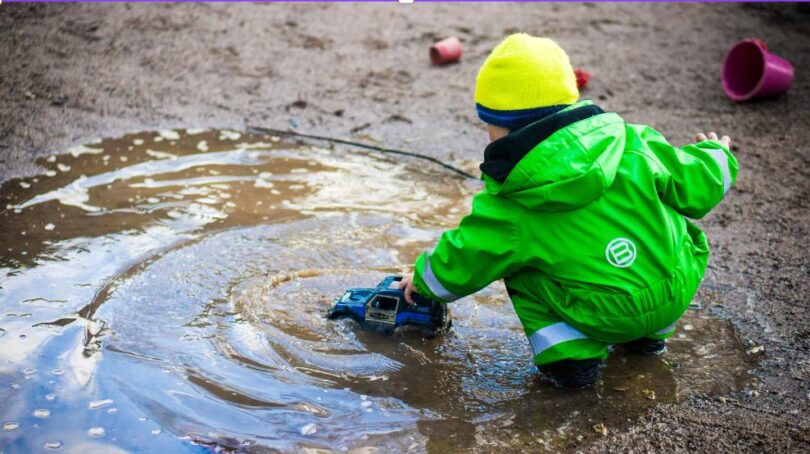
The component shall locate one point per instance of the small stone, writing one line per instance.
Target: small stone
(601, 428)
(53, 444)
(648, 393)
(49, 226)
(41, 413)
(11, 425)
(755, 349)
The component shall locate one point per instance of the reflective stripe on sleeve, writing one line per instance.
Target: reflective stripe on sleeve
(434, 285)
(721, 159)
(551, 335)
(667, 329)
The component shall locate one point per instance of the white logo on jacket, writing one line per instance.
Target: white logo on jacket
(620, 252)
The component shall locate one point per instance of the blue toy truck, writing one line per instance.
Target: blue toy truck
(384, 308)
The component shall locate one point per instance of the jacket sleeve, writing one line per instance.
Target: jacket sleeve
(694, 178)
(484, 248)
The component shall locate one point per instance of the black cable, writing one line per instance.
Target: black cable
(279, 132)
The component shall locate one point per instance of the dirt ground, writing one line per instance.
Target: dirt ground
(72, 73)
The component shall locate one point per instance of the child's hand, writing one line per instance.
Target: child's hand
(407, 284)
(725, 140)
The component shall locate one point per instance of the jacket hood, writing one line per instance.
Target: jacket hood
(562, 162)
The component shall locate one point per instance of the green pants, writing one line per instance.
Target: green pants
(584, 323)
(552, 339)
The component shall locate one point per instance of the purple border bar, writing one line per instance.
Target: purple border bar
(396, 1)
(211, 1)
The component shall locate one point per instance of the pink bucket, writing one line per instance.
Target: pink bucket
(751, 72)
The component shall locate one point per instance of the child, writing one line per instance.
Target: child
(583, 216)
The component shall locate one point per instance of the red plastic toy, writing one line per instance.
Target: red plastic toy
(445, 51)
(582, 77)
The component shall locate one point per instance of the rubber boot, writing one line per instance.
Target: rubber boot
(573, 374)
(645, 346)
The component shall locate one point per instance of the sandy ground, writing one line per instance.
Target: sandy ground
(72, 73)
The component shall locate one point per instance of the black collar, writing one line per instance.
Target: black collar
(502, 155)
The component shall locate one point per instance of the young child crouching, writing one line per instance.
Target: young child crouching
(584, 217)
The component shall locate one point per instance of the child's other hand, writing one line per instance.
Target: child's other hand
(406, 284)
(725, 140)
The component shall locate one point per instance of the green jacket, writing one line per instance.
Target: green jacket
(586, 213)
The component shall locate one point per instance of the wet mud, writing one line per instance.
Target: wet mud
(167, 291)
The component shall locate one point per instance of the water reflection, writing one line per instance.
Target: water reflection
(166, 291)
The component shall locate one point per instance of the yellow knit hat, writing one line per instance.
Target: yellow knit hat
(523, 74)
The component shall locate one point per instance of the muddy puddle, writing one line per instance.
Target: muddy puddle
(166, 292)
